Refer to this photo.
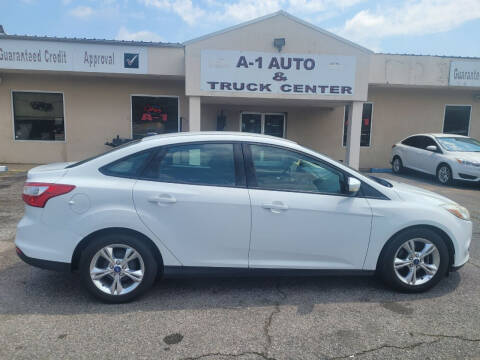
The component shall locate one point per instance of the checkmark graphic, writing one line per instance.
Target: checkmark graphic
(130, 61)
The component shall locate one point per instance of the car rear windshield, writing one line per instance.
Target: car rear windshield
(459, 144)
(102, 154)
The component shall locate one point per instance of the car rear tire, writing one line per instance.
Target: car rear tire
(444, 174)
(117, 267)
(397, 165)
(414, 260)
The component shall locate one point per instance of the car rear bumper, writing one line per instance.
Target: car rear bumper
(44, 264)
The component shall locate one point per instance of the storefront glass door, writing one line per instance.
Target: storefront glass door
(263, 123)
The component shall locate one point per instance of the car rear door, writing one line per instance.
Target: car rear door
(301, 216)
(193, 197)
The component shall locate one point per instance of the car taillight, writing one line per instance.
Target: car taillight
(37, 194)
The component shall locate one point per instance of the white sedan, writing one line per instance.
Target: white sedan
(191, 204)
(448, 157)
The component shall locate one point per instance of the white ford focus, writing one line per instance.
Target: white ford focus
(232, 203)
(449, 157)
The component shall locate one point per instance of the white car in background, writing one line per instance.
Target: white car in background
(189, 204)
(448, 157)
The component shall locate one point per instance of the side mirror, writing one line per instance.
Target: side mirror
(432, 148)
(353, 186)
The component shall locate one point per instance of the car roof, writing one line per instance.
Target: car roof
(218, 135)
(438, 135)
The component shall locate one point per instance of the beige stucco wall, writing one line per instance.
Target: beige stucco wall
(258, 36)
(168, 61)
(96, 110)
(409, 70)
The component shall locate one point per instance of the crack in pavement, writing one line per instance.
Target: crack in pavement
(268, 321)
(386, 346)
(266, 331)
(474, 264)
(262, 355)
(438, 336)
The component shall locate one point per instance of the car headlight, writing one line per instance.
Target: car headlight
(457, 210)
(467, 163)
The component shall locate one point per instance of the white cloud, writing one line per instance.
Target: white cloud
(82, 12)
(249, 9)
(215, 11)
(415, 17)
(183, 8)
(143, 35)
(66, 2)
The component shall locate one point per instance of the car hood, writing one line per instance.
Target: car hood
(413, 193)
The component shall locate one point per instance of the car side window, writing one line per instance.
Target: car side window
(281, 169)
(412, 141)
(199, 164)
(428, 142)
(129, 166)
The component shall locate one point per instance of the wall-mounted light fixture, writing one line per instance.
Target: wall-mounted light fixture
(279, 43)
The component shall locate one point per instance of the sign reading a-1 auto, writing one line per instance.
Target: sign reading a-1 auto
(64, 56)
(259, 72)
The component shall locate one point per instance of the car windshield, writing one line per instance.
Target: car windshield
(463, 144)
(381, 181)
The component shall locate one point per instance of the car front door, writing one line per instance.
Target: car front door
(422, 159)
(194, 198)
(301, 216)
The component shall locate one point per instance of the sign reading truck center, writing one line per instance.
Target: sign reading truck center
(63, 56)
(260, 72)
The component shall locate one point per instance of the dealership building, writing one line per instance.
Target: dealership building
(63, 99)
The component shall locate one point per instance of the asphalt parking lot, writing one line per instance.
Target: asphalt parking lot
(45, 314)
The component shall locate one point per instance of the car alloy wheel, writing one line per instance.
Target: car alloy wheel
(416, 261)
(117, 269)
(397, 165)
(444, 175)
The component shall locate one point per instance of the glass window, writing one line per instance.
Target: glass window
(38, 116)
(280, 169)
(154, 115)
(202, 164)
(261, 123)
(252, 123)
(428, 141)
(366, 124)
(129, 166)
(457, 119)
(412, 141)
(459, 144)
(274, 124)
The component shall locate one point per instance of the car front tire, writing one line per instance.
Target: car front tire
(414, 260)
(444, 175)
(117, 267)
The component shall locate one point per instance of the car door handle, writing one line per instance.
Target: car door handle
(163, 199)
(275, 206)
